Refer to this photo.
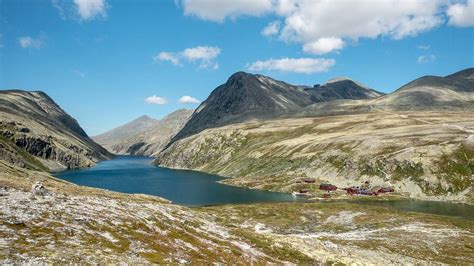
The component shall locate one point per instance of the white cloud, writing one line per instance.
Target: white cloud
(204, 55)
(324, 26)
(219, 10)
(188, 99)
(461, 15)
(323, 45)
(89, 9)
(271, 29)
(323, 22)
(423, 59)
(423, 47)
(30, 42)
(167, 56)
(298, 65)
(156, 100)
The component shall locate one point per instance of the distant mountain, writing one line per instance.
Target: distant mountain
(246, 96)
(36, 133)
(144, 136)
(453, 91)
(122, 133)
(344, 88)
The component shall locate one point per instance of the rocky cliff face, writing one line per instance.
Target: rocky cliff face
(144, 136)
(36, 133)
(246, 97)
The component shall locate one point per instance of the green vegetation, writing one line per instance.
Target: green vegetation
(457, 169)
(407, 169)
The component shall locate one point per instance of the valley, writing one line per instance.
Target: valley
(418, 140)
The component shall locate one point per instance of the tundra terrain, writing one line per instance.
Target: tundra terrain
(424, 155)
(57, 222)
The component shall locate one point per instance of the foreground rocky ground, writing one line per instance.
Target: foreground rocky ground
(350, 233)
(43, 219)
(424, 155)
(60, 222)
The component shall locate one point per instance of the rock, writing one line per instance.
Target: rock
(39, 189)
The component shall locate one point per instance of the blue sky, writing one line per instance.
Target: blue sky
(107, 62)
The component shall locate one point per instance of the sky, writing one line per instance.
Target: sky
(106, 62)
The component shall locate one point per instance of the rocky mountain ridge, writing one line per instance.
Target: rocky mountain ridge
(36, 133)
(246, 97)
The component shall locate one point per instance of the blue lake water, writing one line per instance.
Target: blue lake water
(133, 174)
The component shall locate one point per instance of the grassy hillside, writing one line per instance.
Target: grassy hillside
(425, 155)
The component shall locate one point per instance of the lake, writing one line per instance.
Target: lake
(134, 174)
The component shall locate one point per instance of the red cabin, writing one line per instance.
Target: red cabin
(386, 190)
(327, 187)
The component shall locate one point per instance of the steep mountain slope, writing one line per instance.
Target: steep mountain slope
(150, 136)
(36, 133)
(245, 97)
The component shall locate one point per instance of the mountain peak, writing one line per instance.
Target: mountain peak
(239, 78)
(338, 79)
(144, 118)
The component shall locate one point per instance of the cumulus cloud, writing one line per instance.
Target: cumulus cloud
(318, 24)
(219, 10)
(323, 45)
(423, 59)
(89, 9)
(156, 100)
(325, 26)
(205, 56)
(188, 99)
(271, 29)
(297, 65)
(461, 15)
(167, 56)
(30, 42)
(84, 10)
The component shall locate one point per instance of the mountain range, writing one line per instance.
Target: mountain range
(267, 134)
(144, 135)
(246, 96)
(258, 130)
